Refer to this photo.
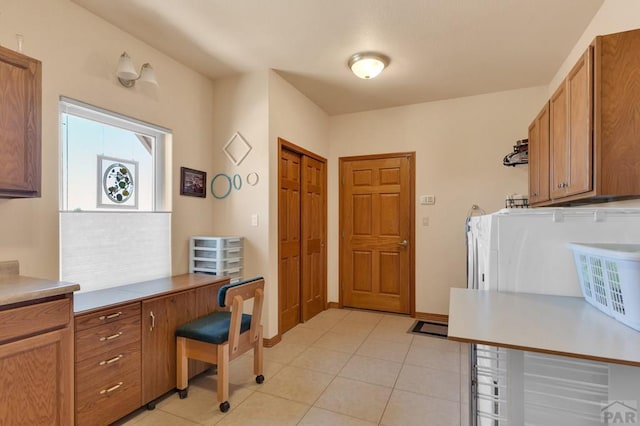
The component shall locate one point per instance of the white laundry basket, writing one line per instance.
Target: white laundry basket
(610, 279)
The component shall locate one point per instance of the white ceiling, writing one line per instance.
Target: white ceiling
(439, 49)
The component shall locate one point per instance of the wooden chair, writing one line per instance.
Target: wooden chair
(223, 335)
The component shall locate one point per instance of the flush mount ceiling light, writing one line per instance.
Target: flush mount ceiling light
(127, 75)
(368, 65)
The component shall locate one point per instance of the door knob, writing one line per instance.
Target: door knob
(404, 243)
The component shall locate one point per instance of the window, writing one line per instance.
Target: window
(115, 220)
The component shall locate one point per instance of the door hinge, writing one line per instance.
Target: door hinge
(342, 235)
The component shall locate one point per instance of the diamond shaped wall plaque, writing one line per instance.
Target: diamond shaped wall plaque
(237, 149)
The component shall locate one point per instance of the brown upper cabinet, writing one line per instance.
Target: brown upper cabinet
(539, 157)
(20, 115)
(594, 128)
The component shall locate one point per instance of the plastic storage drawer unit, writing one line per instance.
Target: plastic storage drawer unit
(217, 256)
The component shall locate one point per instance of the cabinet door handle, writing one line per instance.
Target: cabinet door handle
(113, 336)
(111, 361)
(153, 321)
(112, 316)
(111, 389)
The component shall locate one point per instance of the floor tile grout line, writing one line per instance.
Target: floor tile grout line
(338, 375)
(380, 324)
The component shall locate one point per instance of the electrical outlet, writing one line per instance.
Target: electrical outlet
(254, 220)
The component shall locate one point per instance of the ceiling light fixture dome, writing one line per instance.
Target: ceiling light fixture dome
(368, 65)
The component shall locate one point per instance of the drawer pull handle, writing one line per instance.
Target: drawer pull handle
(113, 336)
(111, 361)
(111, 389)
(112, 316)
(153, 321)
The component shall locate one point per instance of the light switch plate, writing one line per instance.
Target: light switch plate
(427, 199)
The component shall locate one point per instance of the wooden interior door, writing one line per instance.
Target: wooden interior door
(314, 231)
(289, 247)
(376, 221)
(302, 231)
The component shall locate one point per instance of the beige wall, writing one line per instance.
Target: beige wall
(241, 105)
(459, 145)
(613, 16)
(79, 53)
(262, 107)
(293, 117)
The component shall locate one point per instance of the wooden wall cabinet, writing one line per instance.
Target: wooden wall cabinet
(539, 157)
(594, 123)
(36, 363)
(20, 125)
(571, 111)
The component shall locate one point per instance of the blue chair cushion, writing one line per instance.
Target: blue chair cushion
(222, 293)
(213, 328)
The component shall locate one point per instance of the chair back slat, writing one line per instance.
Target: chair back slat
(224, 298)
(246, 291)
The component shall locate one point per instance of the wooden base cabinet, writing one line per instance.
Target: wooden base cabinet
(36, 364)
(161, 317)
(108, 383)
(126, 353)
(594, 123)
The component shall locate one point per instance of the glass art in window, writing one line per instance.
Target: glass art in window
(117, 183)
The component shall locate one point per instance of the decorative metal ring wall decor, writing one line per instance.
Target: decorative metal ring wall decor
(237, 182)
(229, 187)
(252, 179)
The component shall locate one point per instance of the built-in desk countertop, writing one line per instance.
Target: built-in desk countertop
(558, 325)
(105, 298)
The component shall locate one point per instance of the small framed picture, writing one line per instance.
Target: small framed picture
(193, 182)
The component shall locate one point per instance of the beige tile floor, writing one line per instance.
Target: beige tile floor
(343, 367)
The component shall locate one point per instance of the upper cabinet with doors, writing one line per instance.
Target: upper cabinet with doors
(539, 157)
(20, 115)
(594, 123)
(571, 111)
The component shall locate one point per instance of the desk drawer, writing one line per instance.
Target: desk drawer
(100, 371)
(31, 319)
(99, 340)
(107, 316)
(107, 403)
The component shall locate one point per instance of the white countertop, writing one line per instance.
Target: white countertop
(559, 325)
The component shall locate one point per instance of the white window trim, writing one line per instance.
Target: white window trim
(86, 244)
(161, 154)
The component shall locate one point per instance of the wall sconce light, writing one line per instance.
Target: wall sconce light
(127, 75)
(368, 65)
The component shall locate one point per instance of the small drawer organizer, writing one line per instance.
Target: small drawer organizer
(610, 279)
(217, 256)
